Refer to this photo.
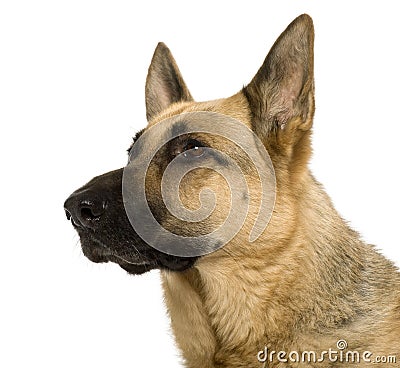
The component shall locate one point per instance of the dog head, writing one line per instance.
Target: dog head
(204, 179)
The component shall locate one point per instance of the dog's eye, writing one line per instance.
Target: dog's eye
(193, 148)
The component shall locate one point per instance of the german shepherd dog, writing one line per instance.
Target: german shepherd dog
(305, 291)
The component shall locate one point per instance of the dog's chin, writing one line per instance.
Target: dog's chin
(99, 253)
(134, 269)
(131, 262)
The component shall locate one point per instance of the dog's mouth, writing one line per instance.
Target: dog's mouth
(101, 242)
(132, 262)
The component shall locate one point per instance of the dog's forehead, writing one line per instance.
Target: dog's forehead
(178, 126)
(176, 120)
(208, 126)
(235, 106)
(169, 129)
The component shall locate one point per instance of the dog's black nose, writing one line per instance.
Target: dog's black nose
(84, 209)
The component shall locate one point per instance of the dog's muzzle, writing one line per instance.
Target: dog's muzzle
(98, 215)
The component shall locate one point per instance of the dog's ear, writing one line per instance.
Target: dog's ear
(164, 83)
(281, 95)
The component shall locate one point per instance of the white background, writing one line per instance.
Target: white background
(72, 79)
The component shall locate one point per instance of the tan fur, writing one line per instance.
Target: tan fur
(307, 282)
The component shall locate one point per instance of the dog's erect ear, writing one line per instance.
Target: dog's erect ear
(281, 95)
(164, 83)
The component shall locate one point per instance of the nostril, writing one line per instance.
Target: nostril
(87, 213)
(68, 214)
(91, 211)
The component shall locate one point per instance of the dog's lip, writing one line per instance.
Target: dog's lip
(133, 268)
(124, 261)
(106, 254)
